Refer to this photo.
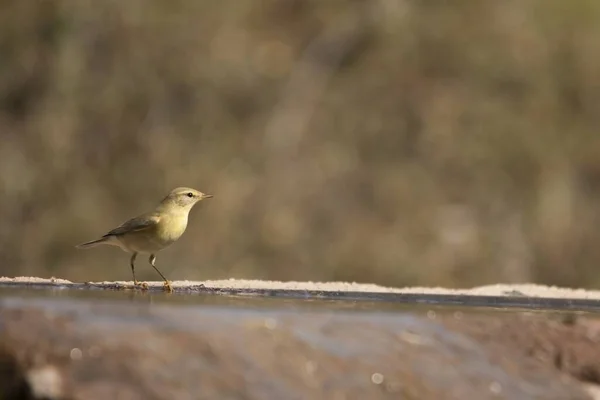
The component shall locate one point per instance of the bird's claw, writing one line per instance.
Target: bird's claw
(141, 285)
(167, 286)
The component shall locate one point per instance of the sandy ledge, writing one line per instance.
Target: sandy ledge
(532, 290)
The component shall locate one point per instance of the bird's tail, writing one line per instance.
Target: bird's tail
(93, 243)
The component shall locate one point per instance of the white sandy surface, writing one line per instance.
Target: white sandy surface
(532, 290)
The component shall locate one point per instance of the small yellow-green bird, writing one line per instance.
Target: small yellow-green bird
(153, 231)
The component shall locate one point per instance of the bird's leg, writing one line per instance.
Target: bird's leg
(135, 282)
(132, 263)
(167, 284)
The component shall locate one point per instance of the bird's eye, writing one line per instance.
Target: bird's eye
(190, 194)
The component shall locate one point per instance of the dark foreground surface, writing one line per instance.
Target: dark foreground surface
(129, 345)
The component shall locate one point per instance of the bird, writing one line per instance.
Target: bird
(153, 231)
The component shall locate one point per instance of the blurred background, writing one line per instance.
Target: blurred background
(399, 142)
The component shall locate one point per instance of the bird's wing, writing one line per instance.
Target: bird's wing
(135, 224)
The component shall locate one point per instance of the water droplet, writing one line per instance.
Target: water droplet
(75, 354)
(377, 378)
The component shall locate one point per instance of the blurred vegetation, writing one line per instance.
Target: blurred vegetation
(388, 141)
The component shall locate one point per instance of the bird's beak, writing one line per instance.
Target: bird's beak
(207, 196)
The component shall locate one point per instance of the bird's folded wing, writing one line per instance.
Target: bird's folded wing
(135, 224)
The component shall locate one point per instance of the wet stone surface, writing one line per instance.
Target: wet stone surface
(98, 349)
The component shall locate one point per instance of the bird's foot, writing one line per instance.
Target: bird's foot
(167, 286)
(141, 285)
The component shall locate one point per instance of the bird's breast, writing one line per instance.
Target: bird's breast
(171, 228)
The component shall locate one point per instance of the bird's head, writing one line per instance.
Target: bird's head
(185, 198)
